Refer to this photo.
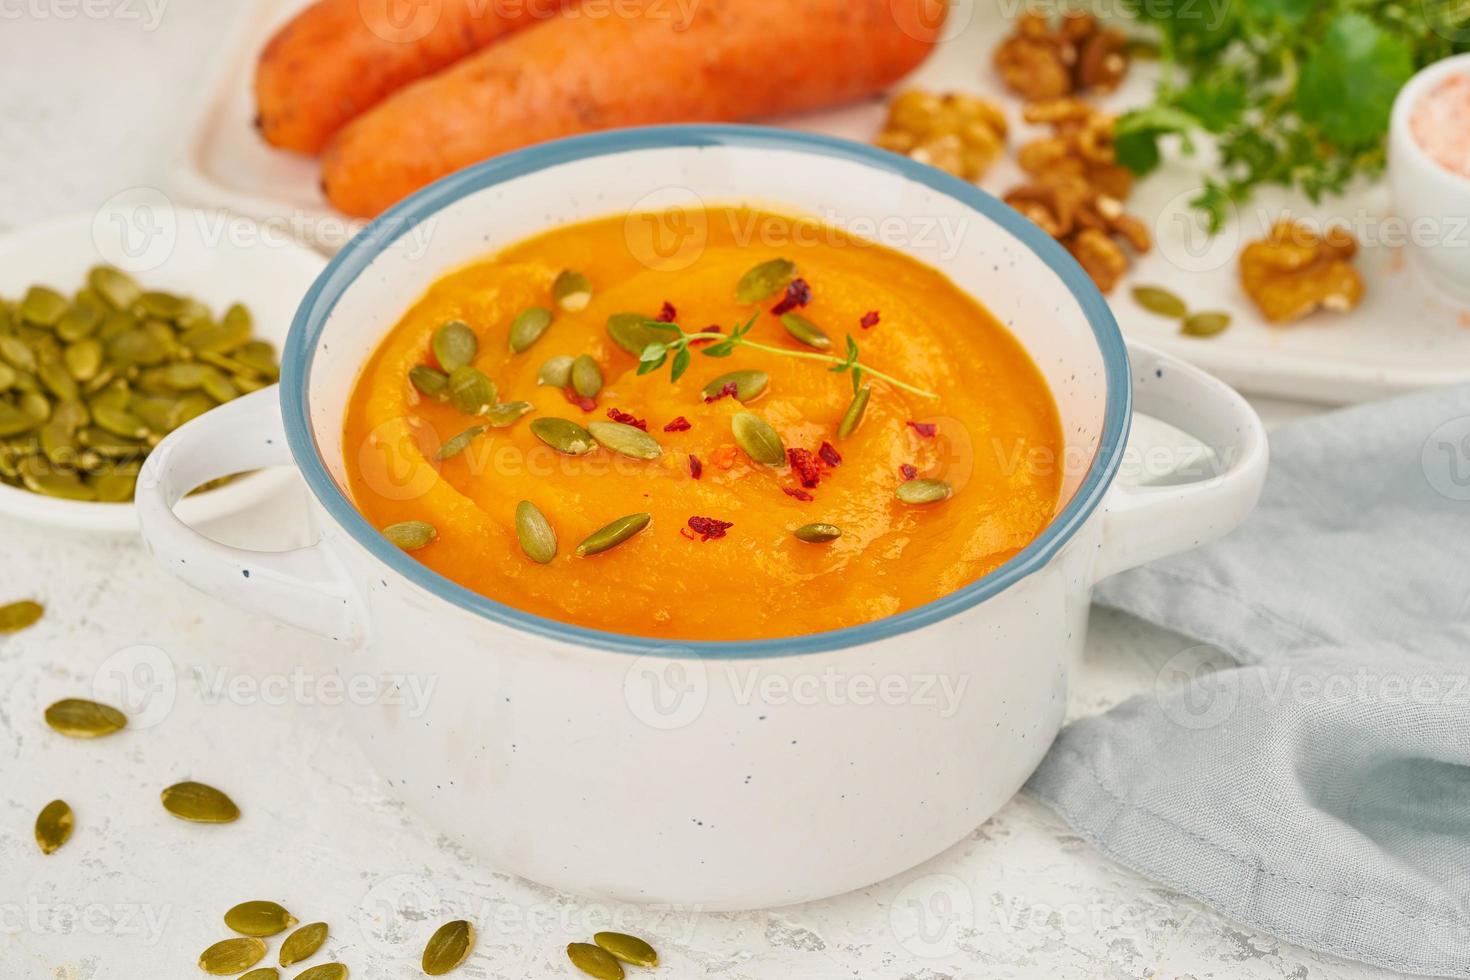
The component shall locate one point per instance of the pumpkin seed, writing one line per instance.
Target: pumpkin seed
(18, 353)
(613, 534)
(263, 973)
(57, 443)
(166, 306)
(39, 477)
(58, 380)
(471, 391)
(120, 422)
(115, 486)
(230, 956)
(631, 332)
(1205, 324)
(805, 331)
(218, 338)
(411, 535)
(853, 417)
(54, 826)
(459, 443)
(139, 346)
(563, 435)
(586, 376)
(924, 491)
(259, 919)
(43, 306)
(16, 616)
(629, 949)
(448, 947)
(219, 387)
(755, 435)
(79, 322)
(303, 943)
(818, 533)
(594, 961)
(454, 345)
(77, 718)
(506, 414)
(327, 971)
(83, 359)
(556, 372)
(201, 804)
(116, 322)
(259, 357)
(7, 376)
(763, 280)
(535, 533)
(430, 383)
(572, 291)
(13, 421)
(116, 288)
(1158, 300)
(749, 385)
(626, 440)
(527, 328)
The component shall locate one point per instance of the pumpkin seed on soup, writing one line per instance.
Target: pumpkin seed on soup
(448, 947)
(411, 535)
(16, 616)
(572, 291)
(259, 919)
(471, 391)
(303, 943)
(459, 443)
(79, 718)
(631, 332)
(563, 435)
(817, 533)
(231, 956)
(586, 376)
(760, 442)
(1205, 324)
(614, 534)
(527, 328)
(805, 331)
(629, 949)
(924, 491)
(535, 533)
(1158, 300)
(761, 282)
(199, 803)
(54, 826)
(429, 382)
(506, 414)
(454, 345)
(594, 961)
(556, 372)
(749, 385)
(853, 417)
(626, 440)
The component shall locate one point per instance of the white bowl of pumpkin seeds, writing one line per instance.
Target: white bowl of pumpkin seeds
(120, 326)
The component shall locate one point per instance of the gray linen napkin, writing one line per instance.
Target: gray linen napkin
(1306, 769)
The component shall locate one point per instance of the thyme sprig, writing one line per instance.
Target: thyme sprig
(676, 353)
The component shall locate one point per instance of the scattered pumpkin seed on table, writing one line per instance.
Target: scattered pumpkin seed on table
(629, 949)
(755, 435)
(259, 919)
(527, 328)
(1158, 300)
(79, 718)
(199, 803)
(572, 291)
(327, 971)
(761, 282)
(535, 533)
(749, 385)
(612, 535)
(450, 946)
(303, 943)
(54, 826)
(411, 535)
(594, 961)
(230, 956)
(262, 973)
(1205, 324)
(16, 616)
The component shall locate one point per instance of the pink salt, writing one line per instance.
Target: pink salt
(1440, 123)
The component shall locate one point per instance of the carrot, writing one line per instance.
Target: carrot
(338, 58)
(642, 61)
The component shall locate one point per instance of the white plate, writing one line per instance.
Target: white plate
(1400, 339)
(216, 258)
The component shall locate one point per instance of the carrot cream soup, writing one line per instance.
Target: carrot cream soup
(793, 431)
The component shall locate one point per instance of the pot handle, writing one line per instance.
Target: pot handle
(1143, 523)
(305, 587)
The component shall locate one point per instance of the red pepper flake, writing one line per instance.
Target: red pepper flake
(869, 320)
(830, 455)
(798, 293)
(925, 429)
(908, 471)
(696, 468)
(680, 424)
(585, 404)
(713, 328)
(801, 495)
(805, 464)
(667, 314)
(618, 415)
(728, 391)
(709, 527)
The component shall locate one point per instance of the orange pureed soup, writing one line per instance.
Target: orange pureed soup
(928, 493)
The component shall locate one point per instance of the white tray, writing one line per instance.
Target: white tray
(1401, 337)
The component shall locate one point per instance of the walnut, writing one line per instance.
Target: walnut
(957, 133)
(1080, 55)
(1294, 271)
(1081, 143)
(1100, 256)
(1087, 222)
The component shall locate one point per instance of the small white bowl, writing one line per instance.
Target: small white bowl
(1432, 200)
(212, 256)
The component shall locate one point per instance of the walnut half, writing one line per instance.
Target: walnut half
(1295, 271)
(959, 134)
(1079, 55)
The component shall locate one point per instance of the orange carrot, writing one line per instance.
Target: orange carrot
(339, 58)
(612, 63)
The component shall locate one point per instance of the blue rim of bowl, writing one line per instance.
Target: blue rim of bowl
(316, 308)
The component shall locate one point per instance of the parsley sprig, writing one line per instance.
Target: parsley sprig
(676, 353)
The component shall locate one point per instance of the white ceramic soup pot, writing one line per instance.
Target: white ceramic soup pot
(723, 775)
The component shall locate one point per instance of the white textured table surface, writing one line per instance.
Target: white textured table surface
(92, 97)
